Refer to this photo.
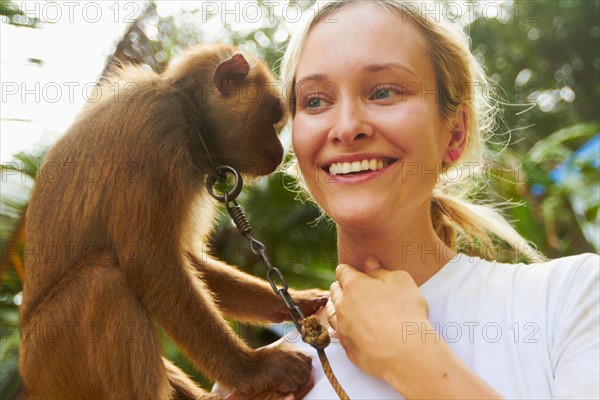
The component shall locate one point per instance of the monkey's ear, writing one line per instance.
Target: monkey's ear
(234, 69)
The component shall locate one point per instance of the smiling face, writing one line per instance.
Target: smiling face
(368, 133)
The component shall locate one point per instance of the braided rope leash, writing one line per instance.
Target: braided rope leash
(316, 335)
(313, 333)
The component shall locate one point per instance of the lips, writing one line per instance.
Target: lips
(357, 166)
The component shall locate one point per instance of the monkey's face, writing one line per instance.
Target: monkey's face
(247, 135)
(245, 114)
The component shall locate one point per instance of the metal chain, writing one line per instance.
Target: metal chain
(241, 222)
(273, 273)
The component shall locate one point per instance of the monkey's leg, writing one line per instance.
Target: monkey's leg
(102, 343)
(184, 387)
(247, 298)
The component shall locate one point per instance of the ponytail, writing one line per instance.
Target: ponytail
(478, 230)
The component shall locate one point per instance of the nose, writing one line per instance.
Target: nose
(351, 123)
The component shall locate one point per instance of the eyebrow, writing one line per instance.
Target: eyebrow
(312, 77)
(372, 68)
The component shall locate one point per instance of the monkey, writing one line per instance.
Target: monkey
(117, 229)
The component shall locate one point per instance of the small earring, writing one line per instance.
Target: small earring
(454, 154)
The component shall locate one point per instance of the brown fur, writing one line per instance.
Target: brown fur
(116, 239)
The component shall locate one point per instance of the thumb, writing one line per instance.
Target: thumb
(373, 268)
(344, 272)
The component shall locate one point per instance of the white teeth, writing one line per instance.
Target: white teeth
(356, 166)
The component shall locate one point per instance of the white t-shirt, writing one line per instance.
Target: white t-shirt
(529, 331)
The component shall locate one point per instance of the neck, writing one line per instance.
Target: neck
(413, 247)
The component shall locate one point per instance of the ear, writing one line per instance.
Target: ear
(233, 69)
(458, 138)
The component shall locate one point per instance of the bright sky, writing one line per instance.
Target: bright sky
(39, 99)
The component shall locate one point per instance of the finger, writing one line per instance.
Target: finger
(335, 291)
(334, 286)
(344, 273)
(331, 317)
(303, 391)
(373, 268)
(330, 308)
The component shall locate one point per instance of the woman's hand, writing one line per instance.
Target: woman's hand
(381, 319)
(377, 314)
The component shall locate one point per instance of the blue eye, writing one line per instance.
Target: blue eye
(314, 102)
(382, 94)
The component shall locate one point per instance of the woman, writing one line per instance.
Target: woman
(387, 104)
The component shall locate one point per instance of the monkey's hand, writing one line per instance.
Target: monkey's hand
(279, 370)
(309, 301)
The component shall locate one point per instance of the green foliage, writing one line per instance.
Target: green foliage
(557, 147)
(15, 16)
(304, 252)
(543, 52)
(17, 177)
(559, 191)
(545, 58)
(9, 351)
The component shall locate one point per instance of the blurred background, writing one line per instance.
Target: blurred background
(544, 56)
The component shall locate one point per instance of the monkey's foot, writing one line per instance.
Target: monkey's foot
(277, 369)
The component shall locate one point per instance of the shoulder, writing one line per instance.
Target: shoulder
(564, 274)
(583, 266)
(575, 281)
(560, 288)
(587, 262)
(548, 285)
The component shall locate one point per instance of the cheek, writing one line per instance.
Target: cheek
(305, 142)
(414, 128)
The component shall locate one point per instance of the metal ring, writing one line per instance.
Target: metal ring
(220, 174)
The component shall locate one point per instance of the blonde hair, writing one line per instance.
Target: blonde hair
(461, 82)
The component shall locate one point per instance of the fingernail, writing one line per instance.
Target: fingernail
(371, 263)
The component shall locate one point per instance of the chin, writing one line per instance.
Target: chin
(354, 218)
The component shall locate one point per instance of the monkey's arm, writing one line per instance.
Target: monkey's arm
(247, 298)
